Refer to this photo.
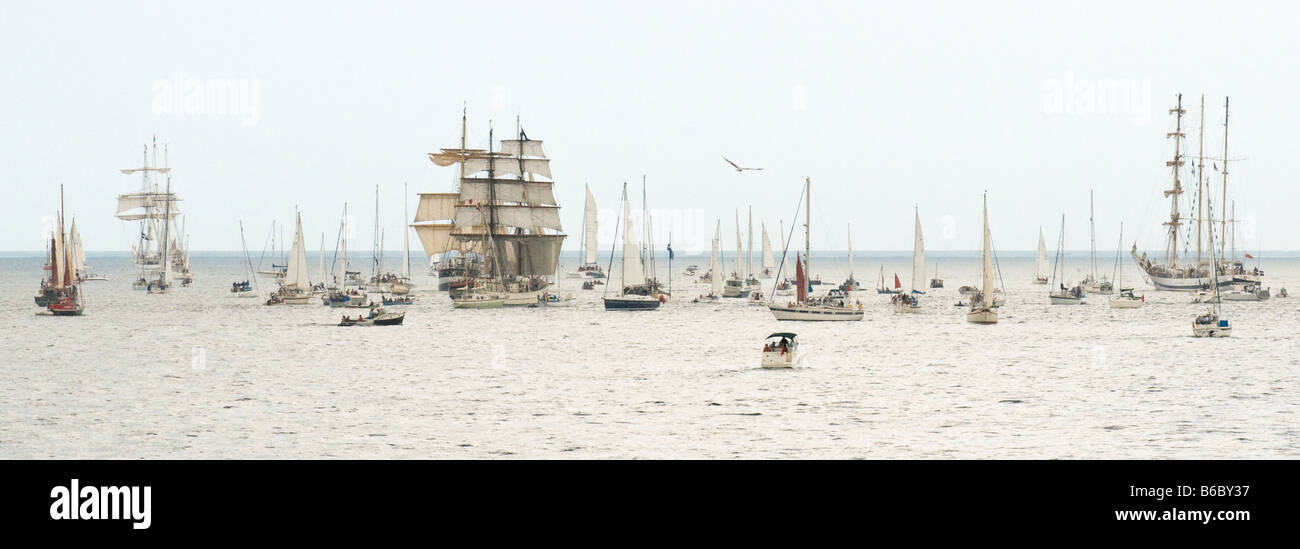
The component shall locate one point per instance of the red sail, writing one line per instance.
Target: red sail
(897, 285)
(799, 279)
(54, 275)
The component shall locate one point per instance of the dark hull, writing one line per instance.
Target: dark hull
(619, 304)
(390, 321)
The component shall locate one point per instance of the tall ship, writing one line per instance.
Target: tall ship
(160, 252)
(456, 263)
(1174, 272)
(503, 220)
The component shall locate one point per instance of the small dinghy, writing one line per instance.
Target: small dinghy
(781, 351)
(378, 317)
(548, 299)
(397, 300)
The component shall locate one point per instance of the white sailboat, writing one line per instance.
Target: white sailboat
(911, 302)
(590, 242)
(769, 262)
(1126, 298)
(1040, 265)
(828, 308)
(637, 293)
(851, 284)
(983, 308)
(296, 287)
(715, 266)
(1062, 296)
(751, 281)
(1212, 323)
(735, 285)
(1091, 283)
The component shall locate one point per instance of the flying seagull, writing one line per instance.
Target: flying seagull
(738, 168)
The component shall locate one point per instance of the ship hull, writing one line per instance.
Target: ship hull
(815, 314)
(630, 304)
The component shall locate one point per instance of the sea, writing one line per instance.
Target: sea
(197, 373)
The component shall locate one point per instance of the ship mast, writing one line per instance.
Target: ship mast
(807, 231)
(1200, 189)
(1175, 220)
(1224, 227)
(1092, 234)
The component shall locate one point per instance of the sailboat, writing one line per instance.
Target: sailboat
(80, 269)
(983, 307)
(1212, 323)
(401, 284)
(1172, 275)
(637, 293)
(1126, 299)
(1062, 296)
(851, 284)
(715, 265)
(155, 210)
(806, 307)
(769, 261)
(590, 266)
(911, 303)
(1040, 265)
(1091, 283)
(936, 282)
(319, 286)
(884, 289)
(248, 287)
(457, 262)
(1234, 266)
(751, 281)
(296, 287)
(165, 278)
(503, 207)
(62, 291)
(735, 285)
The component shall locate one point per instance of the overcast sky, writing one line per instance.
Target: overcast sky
(885, 105)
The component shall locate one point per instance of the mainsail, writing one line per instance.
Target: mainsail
(769, 262)
(918, 257)
(589, 230)
(296, 274)
(433, 222)
(1040, 268)
(987, 276)
(715, 267)
(740, 250)
(633, 274)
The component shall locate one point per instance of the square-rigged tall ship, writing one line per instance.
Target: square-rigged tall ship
(503, 222)
(1173, 275)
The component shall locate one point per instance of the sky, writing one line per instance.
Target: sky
(886, 106)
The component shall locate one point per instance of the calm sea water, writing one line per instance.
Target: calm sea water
(198, 374)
